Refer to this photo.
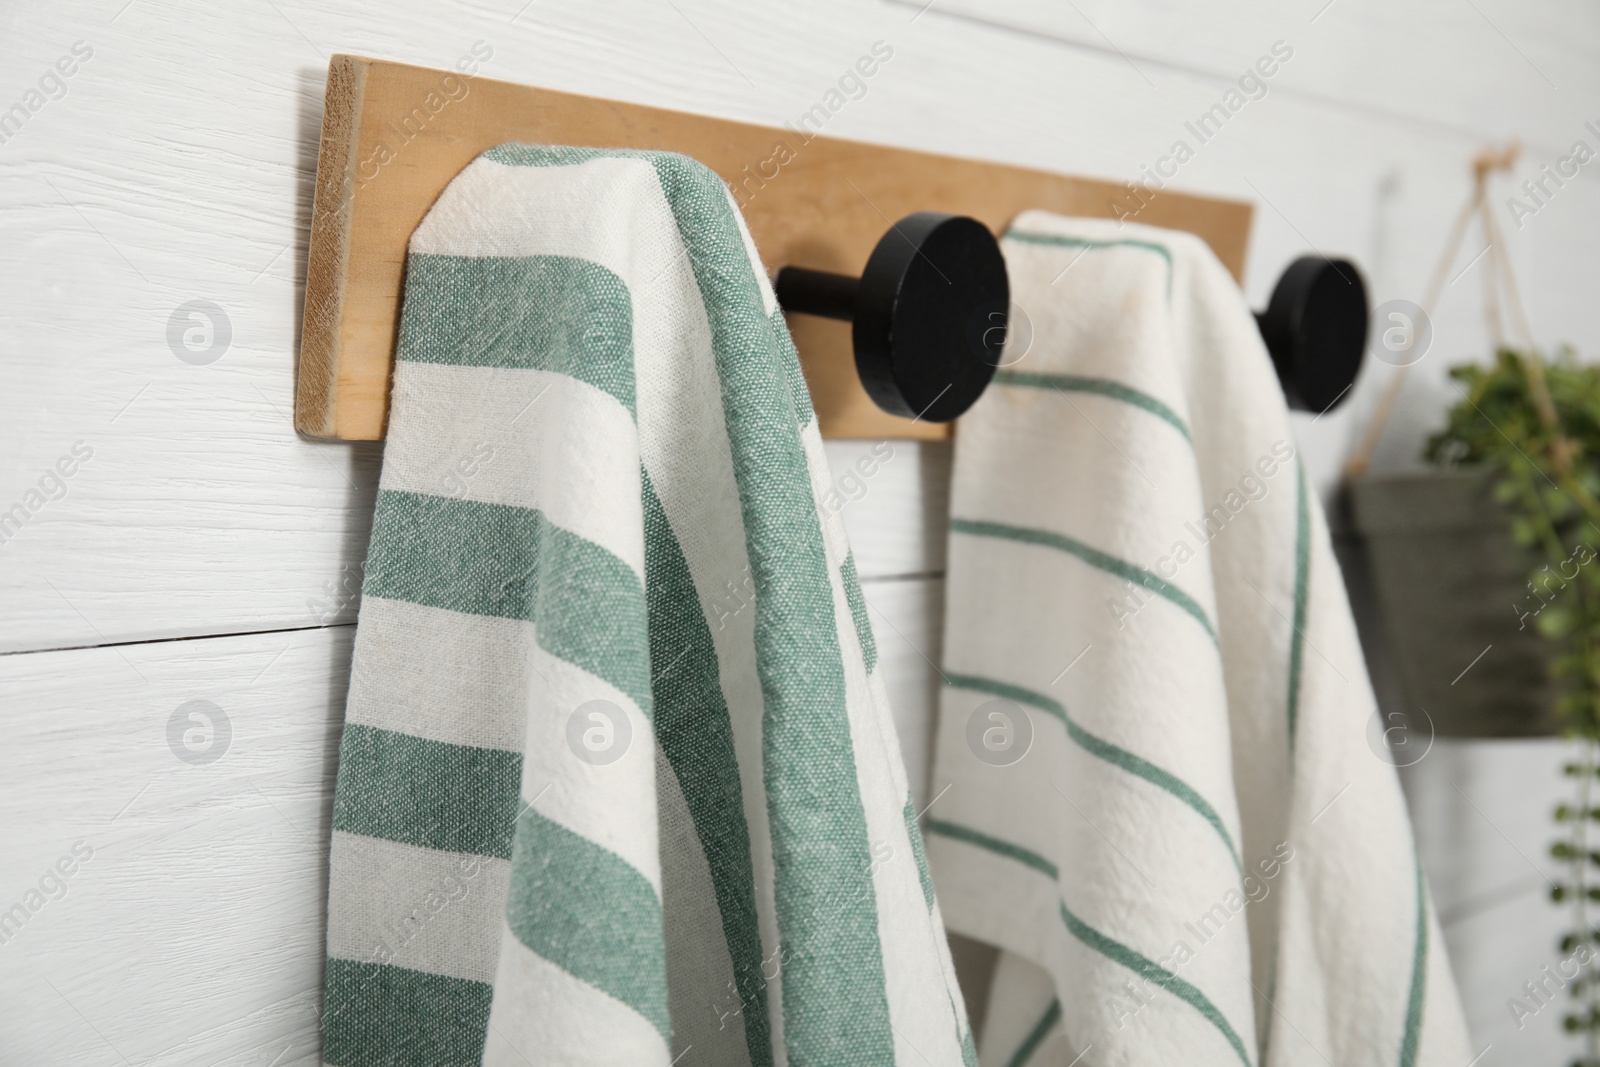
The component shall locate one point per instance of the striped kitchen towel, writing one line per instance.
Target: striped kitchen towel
(1164, 804)
(618, 782)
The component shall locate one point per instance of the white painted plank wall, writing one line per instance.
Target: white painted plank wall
(1475, 69)
(177, 166)
(192, 934)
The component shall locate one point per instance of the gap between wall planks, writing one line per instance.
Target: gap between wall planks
(394, 135)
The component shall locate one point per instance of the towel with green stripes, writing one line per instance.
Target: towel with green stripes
(618, 782)
(1163, 804)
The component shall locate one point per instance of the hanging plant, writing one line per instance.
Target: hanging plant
(1535, 425)
(1532, 425)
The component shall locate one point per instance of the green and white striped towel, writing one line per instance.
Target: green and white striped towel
(618, 783)
(1199, 859)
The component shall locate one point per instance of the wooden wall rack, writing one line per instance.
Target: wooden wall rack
(388, 149)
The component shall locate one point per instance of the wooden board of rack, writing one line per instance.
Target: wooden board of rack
(394, 135)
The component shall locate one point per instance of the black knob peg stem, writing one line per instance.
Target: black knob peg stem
(817, 292)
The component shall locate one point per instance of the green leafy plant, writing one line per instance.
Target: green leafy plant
(1535, 425)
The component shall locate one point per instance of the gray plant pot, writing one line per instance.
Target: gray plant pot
(1450, 583)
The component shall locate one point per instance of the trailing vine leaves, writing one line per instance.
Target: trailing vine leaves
(1535, 425)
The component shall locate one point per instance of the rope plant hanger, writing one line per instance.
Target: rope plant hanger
(1485, 163)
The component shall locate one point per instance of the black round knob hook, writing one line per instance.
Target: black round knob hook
(1315, 327)
(928, 313)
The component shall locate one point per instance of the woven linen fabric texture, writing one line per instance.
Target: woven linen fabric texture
(618, 782)
(1163, 805)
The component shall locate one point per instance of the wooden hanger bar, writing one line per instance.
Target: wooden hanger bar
(394, 135)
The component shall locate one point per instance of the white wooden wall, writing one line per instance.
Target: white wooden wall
(203, 552)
